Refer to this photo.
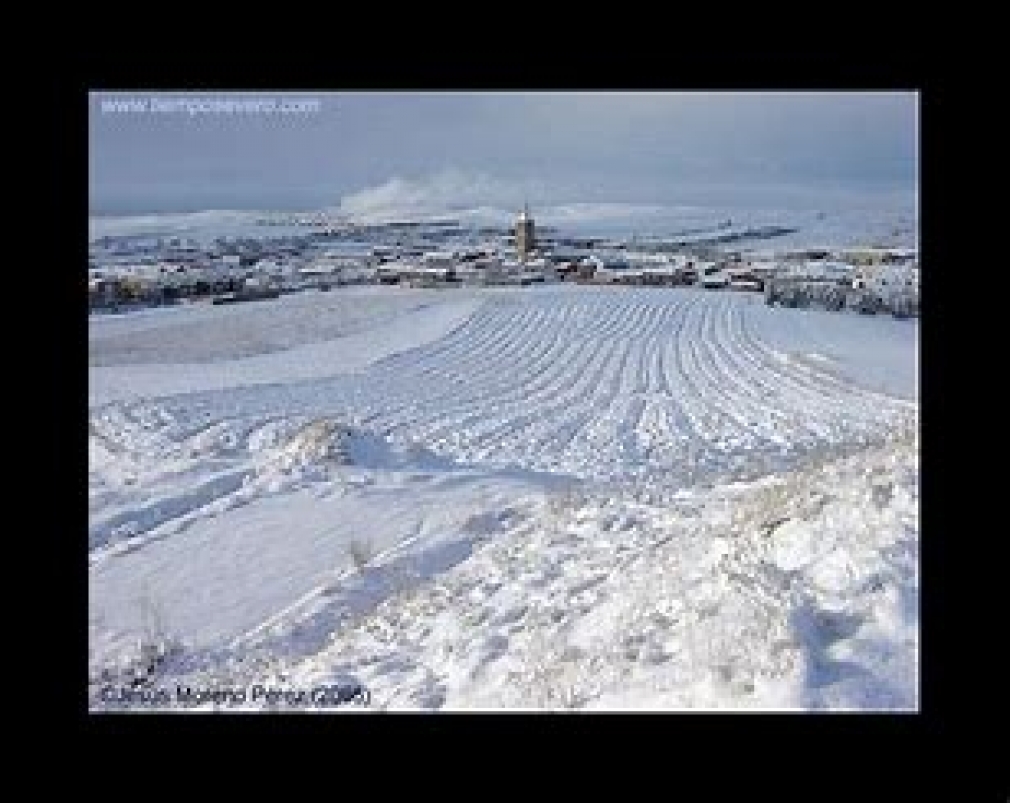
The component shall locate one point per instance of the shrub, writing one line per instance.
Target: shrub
(361, 552)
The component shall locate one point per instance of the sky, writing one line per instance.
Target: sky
(354, 149)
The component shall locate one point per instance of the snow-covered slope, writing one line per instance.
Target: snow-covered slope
(282, 501)
(797, 591)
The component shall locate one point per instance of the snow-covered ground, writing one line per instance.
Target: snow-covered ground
(819, 218)
(797, 591)
(567, 496)
(299, 336)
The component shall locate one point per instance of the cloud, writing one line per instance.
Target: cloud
(438, 193)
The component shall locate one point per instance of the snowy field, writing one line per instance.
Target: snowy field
(297, 336)
(551, 497)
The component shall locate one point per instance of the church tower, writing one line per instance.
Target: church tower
(525, 240)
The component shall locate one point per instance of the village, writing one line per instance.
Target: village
(128, 273)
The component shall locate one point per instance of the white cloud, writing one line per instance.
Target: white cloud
(438, 193)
